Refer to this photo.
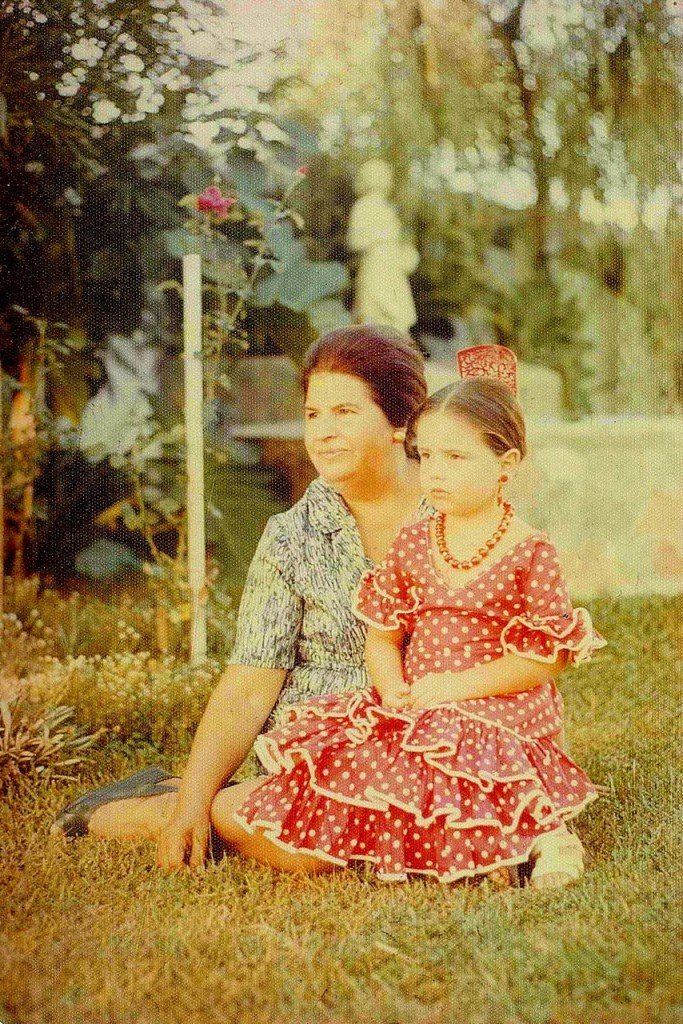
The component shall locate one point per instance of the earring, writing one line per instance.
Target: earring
(502, 479)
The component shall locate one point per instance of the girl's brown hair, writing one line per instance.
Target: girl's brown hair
(488, 405)
(384, 359)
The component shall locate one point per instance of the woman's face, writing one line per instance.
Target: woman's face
(458, 471)
(346, 433)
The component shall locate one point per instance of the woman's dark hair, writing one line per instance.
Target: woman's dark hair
(488, 405)
(386, 360)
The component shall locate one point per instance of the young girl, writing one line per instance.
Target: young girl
(444, 767)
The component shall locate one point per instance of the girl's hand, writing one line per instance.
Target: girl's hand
(396, 697)
(439, 688)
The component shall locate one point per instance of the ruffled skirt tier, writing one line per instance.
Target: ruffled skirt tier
(451, 791)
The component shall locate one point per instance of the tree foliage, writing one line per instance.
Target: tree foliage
(542, 132)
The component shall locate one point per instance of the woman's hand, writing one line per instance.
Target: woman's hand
(236, 712)
(184, 839)
(440, 688)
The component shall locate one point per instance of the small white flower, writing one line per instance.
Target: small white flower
(622, 211)
(270, 131)
(463, 181)
(656, 209)
(235, 124)
(591, 209)
(202, 133)
(131, 62)
(68, 86)
(150, 104)
(87, 50)
(557, 194)
(104, 111)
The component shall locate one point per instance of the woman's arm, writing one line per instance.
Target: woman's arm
(384, 662)
(507, 674)
(237, 709)
(234, 716)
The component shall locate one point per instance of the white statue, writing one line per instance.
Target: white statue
(382, 292)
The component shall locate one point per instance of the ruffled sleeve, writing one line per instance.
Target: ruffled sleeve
(549, 624)
(387, 596)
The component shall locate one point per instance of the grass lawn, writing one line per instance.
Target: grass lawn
(91, 933)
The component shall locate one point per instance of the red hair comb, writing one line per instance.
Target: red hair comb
(493, 361)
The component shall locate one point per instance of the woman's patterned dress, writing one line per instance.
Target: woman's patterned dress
(296, 611)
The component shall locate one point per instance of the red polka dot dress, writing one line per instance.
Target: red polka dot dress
(450, 791)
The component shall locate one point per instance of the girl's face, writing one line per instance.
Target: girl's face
(458, 471)
(346, 434)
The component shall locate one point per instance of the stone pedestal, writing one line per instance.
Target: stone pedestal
(609, 490)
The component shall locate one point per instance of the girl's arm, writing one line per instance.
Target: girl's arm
(510, 673)
(384, 662)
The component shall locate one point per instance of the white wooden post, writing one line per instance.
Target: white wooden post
(2, 510)
(194, 448)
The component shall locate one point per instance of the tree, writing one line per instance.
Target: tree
(110, 115)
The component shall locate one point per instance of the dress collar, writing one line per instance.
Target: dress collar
(326, 509)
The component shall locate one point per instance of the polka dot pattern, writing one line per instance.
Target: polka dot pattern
(431, 792)
(518, 603)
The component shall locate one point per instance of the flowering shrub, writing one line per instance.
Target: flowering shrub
(37, 742)
(128, 696)
(45, 623)
(119, 66)
(211, 200)
(90, 658)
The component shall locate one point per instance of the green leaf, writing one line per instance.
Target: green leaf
(305, 141)
(167, 506)
(301, 283)
(170, 286)
(106, 265)
(182, 242)
(328, 314)
(226, 273)
(104, 558)
(160, 207)
(280, 237)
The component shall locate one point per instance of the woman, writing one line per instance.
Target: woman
(296, 634)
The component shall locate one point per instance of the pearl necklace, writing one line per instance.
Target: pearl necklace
(482, 552)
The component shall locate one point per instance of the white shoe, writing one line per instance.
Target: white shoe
(558, 860)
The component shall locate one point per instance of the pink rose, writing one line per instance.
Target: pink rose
(212, 200)
(303, 170)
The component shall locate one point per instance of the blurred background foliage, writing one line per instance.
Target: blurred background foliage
(538, 164)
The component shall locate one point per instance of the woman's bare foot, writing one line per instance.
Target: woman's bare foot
(138, 817)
